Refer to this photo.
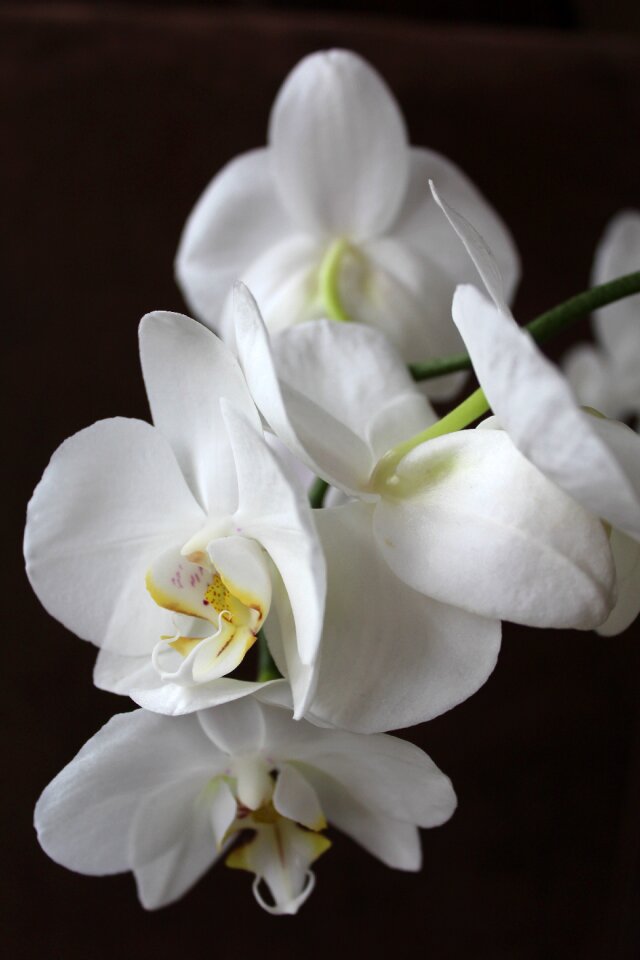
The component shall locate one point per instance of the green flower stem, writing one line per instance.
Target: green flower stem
(317, 492)
(460, 417)
(267, 669)
(545, 326)
(328, 281)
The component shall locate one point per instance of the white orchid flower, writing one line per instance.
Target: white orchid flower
(165, 797)
(594, 460)
(422, 566)
(167, 546)
(334, 218)
(606, 375)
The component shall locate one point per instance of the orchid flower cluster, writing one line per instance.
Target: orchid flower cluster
(179, 547)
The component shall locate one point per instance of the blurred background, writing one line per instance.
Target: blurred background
(113, 119)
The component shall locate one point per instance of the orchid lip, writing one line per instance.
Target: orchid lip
(234, 600)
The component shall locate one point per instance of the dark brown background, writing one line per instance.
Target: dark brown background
(112, 122)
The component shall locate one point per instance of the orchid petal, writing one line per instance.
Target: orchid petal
(295, 798)
(272, 513)
(421, 225)
(137, 678)
(405, 416)
(236, 727)
(475, 524)
(390, 657)
(174, 700)
(351, 371)
(626, 554)
(111, 500)
(332, 438)
(285, 282)
(282, 641)
(388, 776)
(592, 379)
(223, 811)
(401, 291)
(593, 462)
(339, 146)
(186, 370)
(394, 842)
(163, 818)
(236, 219)
(82, 817)
(167, 878)
(480, 253)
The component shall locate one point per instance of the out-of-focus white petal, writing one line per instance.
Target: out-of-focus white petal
(271, 512)
(394, 842)
(236, 219)
(111, 500)
(622, 444)
(476, 525)
(339, 146)
(390, 657)
(626, 553)
(422, 225)
(618, 325)
(186, 370)
(83, 816)
(389, 285)
(295, 798)
(592, 379)
(284, 280)
(534, 404)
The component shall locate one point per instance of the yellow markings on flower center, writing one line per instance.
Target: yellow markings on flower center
(184, 645)
(230, 607)
(188, 586)
(286, 835)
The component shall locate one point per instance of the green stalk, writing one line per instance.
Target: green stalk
(467, 412)
(317, 492)
(547, 325)
(328, 281)
(267, 669)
